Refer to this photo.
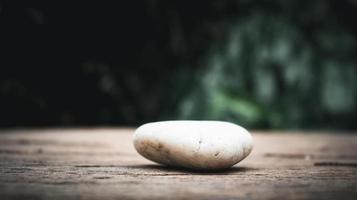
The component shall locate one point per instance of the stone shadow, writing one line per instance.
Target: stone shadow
(175, 170)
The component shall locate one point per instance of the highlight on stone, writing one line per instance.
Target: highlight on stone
(199, 145)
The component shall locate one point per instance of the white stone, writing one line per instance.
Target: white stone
(207, 145)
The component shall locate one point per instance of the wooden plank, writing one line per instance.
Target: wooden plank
(102, 164)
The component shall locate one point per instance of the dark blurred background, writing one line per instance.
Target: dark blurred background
(262, 64)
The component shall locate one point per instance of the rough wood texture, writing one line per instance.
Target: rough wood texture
(102, 164)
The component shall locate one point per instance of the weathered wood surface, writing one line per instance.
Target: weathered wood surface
(102, 164)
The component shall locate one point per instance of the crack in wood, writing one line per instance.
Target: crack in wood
(336, 164)
(309, 156)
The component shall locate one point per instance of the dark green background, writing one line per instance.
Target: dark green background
(262, 64)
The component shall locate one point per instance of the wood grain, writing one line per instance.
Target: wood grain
(102, 164)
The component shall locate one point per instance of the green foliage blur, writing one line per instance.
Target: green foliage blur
(290, 64)
(271, 64)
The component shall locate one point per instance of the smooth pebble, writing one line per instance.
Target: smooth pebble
(200, 145)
